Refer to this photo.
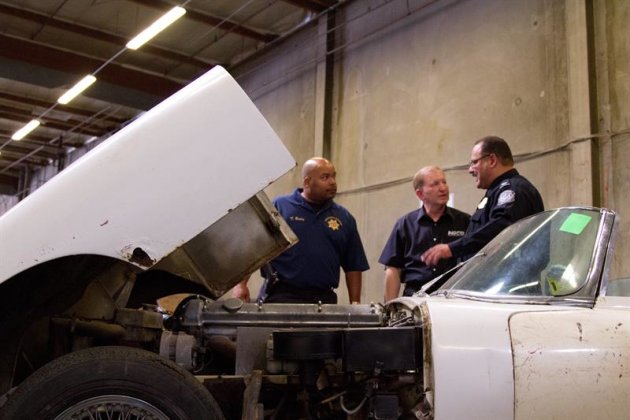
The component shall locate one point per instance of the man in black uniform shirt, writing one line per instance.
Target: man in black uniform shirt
(509, 197)
(417, 231)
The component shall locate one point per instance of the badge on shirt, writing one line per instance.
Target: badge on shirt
(333, 223)
(482, 203)
(506, 197)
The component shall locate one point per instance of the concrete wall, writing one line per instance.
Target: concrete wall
(416, 83)
(612, 61)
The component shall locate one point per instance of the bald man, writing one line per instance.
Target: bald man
(329, 241)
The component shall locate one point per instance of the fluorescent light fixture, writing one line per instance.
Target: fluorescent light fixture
(156, 27)
(23, 132)
(75, 90)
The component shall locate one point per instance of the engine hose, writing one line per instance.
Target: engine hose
(355, 409)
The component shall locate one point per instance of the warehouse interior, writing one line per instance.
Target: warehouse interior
(381, 87)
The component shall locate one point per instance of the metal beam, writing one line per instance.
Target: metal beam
(30, 52)
(8, 184)
(65, 108)
(32, 138)
(23, 159)
(13, 172)
(23, 149)
(69, 124)
(313, 5)
(120, 41)
(13, 156)
(13, 115)
(225, 24)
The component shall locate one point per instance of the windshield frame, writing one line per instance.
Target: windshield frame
(584, 296)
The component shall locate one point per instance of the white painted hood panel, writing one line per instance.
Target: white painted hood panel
(154, 185)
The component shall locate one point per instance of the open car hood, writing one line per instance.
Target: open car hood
(178, 189)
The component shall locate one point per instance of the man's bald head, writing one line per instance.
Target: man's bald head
(312, 164)
(319, 180)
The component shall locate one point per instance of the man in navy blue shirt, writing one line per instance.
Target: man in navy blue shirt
(509, 197)
(308, 272)
(433, 223)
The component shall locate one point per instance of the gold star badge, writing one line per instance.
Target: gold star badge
(333, 223)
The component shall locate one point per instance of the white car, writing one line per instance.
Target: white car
(529, 328)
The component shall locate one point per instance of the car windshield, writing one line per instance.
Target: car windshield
(548, 254)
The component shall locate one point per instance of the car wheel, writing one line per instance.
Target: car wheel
(111, 383)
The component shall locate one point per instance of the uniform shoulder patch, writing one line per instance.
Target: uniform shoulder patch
(506, 197)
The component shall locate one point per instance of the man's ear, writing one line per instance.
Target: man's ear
(419, 194)
(494, 160)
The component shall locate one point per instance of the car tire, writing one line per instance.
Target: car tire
(111, 381)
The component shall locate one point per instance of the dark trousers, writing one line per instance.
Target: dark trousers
(281, 292)
(412, 287)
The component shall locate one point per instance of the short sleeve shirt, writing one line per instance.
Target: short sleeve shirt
(416, 232)
(328, 240)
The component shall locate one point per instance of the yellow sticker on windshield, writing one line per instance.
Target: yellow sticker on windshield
(575, 223)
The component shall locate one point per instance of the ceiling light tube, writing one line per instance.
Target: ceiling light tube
(156, 27)
(83, 84)
(23, 132)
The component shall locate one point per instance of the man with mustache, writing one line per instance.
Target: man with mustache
(433, 223)
(308, 272)
(509, 197)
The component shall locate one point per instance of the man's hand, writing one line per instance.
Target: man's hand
(241, 291)
(433, 255)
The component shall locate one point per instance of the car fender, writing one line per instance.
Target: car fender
(471, 353)
(572, 364)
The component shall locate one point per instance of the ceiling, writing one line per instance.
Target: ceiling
(46, 46)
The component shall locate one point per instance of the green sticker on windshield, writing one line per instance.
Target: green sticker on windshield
(575, 223)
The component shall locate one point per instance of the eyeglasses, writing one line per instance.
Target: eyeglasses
(475, 161)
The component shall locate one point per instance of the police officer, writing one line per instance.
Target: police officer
(433, 223)
(329, 241)
(509, 197)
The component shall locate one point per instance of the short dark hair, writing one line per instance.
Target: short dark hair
(498, 146)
